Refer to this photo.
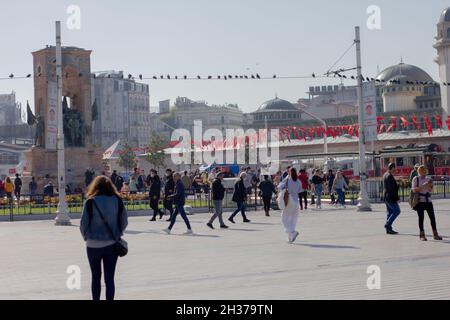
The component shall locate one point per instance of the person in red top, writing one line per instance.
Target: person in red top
(303, 196)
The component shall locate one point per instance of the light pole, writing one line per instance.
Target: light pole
(325, 135)
(62, 216)
(363, 199)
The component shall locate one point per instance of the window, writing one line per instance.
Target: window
(448, 33)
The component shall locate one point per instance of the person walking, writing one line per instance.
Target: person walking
(240, 196)
(155, 194)
(330, 181)
(9, 188)
(391, 198)
(17, 186)
(133, 185)
(303, 196)
(169, 187)
(414, 173)
(267, 189)
(2, 189)
(218, 193)
(423, 186)
(186, 180)
(32, 186)
(339, 185)
(179, 199)
(293, 186)
(317, 181)
(103, 221)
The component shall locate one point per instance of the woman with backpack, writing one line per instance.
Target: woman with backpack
(103, 221)
(423, 186)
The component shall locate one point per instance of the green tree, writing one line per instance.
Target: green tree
(127, 158)
(155, 150)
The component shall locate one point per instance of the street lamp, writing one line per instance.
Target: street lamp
(325, 136)
(62, 216)
(363, 199)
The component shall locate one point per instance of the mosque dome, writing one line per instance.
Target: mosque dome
(277, 104)
(445, 16)
(404, 72)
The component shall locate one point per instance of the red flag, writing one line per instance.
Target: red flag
(381, 128)
(428, 124)
(379, 119)
(438, 121)
(296, 134)
(404, 123)
(415, 123)
(393, 124)
(447, 122)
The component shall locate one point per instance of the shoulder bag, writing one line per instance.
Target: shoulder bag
(121, 246)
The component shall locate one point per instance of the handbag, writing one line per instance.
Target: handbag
(120, 246)
(286, 194)
(414, 197)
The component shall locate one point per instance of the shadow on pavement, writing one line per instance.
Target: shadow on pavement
(325, 246)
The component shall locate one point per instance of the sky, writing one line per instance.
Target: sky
(211, 37)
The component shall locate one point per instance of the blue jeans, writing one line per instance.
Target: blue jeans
(340, 193)
(241, 208)
(109, 258)
(319, 189)
(393, 211)
(179, 209)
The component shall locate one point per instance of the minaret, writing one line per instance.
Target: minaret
(442, 46)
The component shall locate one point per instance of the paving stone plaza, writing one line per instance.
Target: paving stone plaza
(329, 260)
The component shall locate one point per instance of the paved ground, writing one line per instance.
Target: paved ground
(251, 261)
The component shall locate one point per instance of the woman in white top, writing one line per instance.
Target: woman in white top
(424, 186)
(290, 213)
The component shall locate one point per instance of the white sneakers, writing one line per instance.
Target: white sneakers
(189, 231)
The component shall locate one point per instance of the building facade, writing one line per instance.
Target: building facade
(221, 117)
(10, 110)
(123, 107)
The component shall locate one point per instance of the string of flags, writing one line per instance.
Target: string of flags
(384, 125)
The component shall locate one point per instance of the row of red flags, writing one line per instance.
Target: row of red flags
(388, 124)
(384, 124)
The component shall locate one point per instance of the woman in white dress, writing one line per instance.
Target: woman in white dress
(290, 212)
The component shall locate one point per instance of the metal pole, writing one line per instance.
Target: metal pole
(62, 217)
(325, 136)
(363, 200)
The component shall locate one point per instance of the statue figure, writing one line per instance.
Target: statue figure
(40, 132)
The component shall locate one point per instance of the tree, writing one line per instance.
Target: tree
(127, 158)
(155, 150)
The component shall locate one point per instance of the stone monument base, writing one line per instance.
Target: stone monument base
(42, 163)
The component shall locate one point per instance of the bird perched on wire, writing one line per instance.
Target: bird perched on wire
(11, 76)
(155, 77)
(313, 75)
(28, 75)
(140, 77)
(130, 76)
(185, 77)
(209, 77)
(168, 77)
(246, 77)
(258, 76)
(198, 77)
(253, 77)
(274, 76)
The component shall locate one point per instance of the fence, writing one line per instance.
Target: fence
(39, 204)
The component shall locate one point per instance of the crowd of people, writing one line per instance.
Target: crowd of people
(104, 217)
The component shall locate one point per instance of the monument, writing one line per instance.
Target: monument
(80, 153)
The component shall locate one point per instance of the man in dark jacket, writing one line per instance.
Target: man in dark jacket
(179, 199)
(218, 193)
(267, 189)
(154, 183)
(169, 187)
(391, 198)
(240, 196)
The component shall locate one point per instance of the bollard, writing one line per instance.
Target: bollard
(11, 211)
